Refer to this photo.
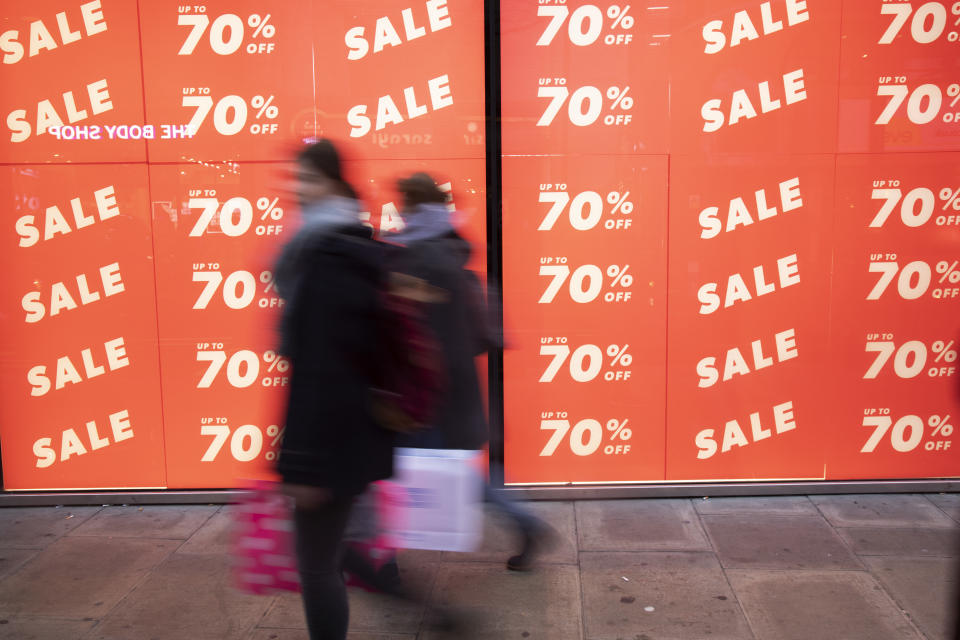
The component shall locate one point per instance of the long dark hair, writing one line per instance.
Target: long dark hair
(322, 156)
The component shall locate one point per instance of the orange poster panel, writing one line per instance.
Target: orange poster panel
(230, 80)
(581, 78)
(584, 276)
(463, 180)
(71, 78)
(401, 79)
(750, 243)
(900, 77)
(896, 317)
(218, 229)
(79, 384)
(755, 76)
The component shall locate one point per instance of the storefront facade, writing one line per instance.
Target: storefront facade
(726, 232)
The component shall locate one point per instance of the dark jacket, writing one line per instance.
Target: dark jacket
(330, 330)
(459, 324)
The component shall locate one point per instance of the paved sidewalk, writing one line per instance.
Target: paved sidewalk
(869, 567)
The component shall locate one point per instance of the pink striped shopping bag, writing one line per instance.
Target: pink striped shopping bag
(263, 540)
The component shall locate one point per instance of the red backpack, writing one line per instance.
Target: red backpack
(411, 368)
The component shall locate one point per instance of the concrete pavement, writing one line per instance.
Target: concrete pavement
(870, 567)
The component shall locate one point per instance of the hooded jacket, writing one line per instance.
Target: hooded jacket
(458, 322)
(330, 276)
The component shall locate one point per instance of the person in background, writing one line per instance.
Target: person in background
(430, 249)
(330, 275)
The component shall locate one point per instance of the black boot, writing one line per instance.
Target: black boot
(536, 540)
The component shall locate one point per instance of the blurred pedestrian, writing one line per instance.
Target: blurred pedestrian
(431, 250)
(330, 276)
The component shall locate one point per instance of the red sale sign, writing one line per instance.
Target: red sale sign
(755, 76)
(894, 316)
(900, 77)
(73, 91)
(729, 227)
(747, 335)
(593, 79)
(217, 230)
(584, 318)
(401, 79)
(231, 84)
(80, 384)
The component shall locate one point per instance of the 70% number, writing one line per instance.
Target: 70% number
(586, 103)
(586, 24)
(226, 32)
(243, 367)
(586, 209)
(238, 290)
(230, 112)
(235, 216)
(907, 433)
(586, 436)
(586, 281)
(917, 206)
(586, 361)
(246, 441)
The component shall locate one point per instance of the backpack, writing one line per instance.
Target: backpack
(410, 379)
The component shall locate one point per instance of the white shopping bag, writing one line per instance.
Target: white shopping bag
(434, 500)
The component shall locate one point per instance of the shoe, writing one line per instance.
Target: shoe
(536, 541)
(388, 575)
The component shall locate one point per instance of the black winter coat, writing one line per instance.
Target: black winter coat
(460, 326)
(330, 329)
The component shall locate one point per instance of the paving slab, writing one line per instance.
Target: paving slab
(771, 506)
(756, 541)
(500, 541)
(167, 522)
(663, 595)
(301, 634)
(924, 588)
(639, 525)
(280, 634)
(949, 503)
(80, 577)
(187, 596)
(885, 541)
(369, 612)
(12, 559)
(893, 510)
(37, 527)
(378, 613)
(214, 536)
(800, 605)
(286, 612)
(23, 628)
(539, 605)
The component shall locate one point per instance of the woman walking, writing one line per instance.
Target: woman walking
(432, 251)
(330, 276)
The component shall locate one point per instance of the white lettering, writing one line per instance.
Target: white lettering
(385, 34)
(737, 290)
(734, 436)
(66, 372)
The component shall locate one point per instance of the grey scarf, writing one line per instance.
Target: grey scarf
(426, 222)
(319, 220)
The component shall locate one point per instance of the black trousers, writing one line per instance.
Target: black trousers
(319, 545)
